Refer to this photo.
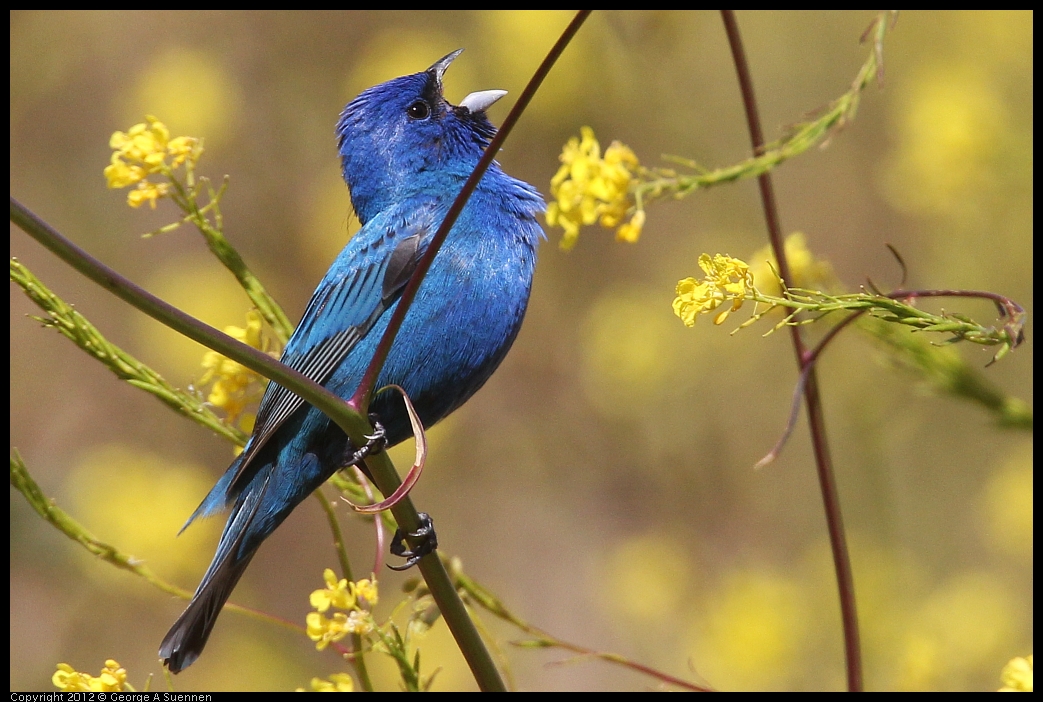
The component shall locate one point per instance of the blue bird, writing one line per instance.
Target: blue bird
(406, 153)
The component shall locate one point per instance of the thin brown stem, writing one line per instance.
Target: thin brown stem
(813, 400)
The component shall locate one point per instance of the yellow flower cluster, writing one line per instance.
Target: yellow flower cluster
(113, 678)
(726, 278)
(345, 595)
(235, 385)
(324, 631)
(338, 682)
(1017, 675)
(342, 594)
(589, 188)
(142, 151)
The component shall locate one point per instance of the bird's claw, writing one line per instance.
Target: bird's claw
(379, 436)
(425, 531)
(375, 443)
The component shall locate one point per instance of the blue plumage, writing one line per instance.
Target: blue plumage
(406, 153)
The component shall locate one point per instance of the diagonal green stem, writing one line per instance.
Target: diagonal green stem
(74, 326)
(227, 255)
(350, 421)
(800, 138)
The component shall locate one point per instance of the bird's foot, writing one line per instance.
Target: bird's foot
(374, 444)
(426, 531)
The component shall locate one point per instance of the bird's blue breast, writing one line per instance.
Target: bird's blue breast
(467, 312)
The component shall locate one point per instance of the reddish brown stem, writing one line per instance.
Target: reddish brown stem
(813, 400)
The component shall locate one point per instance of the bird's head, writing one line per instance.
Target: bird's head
(403, 137)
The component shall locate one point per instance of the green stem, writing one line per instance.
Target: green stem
(357, 659)
(355, 425)
(271, 310)
(74, 326)
(802, 137)
(351, 422)
(186, 200)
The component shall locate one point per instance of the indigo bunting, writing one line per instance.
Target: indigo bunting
(406, 153)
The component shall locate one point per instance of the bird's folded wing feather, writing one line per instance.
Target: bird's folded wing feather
(341, 312)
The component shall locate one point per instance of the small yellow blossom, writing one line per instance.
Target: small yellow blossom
(181, 149)
(631, 231)
(338, 682)
(366, 589)
(235, 385)
(144, 143)
(113, 678)
(147, 192)
(1017, 675)
(67, 679)
(120, 174)
(142, 151)
(726, 278)
(589, 188)
(344, 595)
(336, 594)
(325, 631)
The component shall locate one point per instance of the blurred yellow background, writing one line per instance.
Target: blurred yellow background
(601, 483)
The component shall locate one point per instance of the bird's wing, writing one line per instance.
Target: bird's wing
(363, 282)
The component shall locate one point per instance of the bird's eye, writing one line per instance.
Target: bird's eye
(418, 110)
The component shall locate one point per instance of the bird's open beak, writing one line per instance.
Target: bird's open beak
(475, 102)
(480, 101)
(438, 69)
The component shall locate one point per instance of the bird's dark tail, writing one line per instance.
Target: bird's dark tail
(186, 639)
